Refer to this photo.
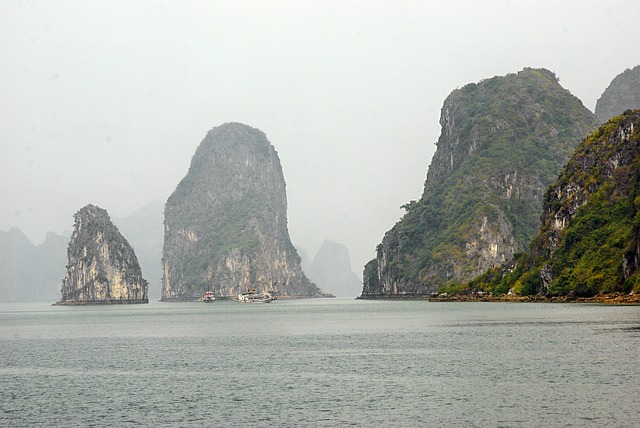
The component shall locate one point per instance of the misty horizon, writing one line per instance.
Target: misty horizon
(106, 103)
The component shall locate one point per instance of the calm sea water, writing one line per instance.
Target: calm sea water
(320, 363)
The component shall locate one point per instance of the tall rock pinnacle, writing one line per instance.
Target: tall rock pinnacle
(102, 267)
(226, 222)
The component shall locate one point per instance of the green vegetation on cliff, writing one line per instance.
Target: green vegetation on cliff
(226, 222)
(503, 142)
(589, 243)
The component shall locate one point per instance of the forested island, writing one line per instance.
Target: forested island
(523, 201)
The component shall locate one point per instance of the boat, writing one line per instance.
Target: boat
(208, 297)
(250, 296)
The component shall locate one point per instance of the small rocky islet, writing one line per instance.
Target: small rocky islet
(102, 267)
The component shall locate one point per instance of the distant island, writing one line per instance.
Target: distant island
(331, 270)
(623, 93)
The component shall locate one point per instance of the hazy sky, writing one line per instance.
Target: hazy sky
(105, 102)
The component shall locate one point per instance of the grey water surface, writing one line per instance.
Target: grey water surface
(327, 362)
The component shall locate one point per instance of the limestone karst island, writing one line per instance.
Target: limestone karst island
(226, 223)
(503, 142)
(476, 232)
(102, 267)
(589, 242)
(499, 215)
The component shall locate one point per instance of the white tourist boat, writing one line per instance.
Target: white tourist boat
(208, 297)
(252, 297)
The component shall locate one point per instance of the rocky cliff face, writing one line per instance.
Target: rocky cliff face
(102, 267)
(503, 141)
(226, 222)
(331, 269)
(590, 239)
(623, 93)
